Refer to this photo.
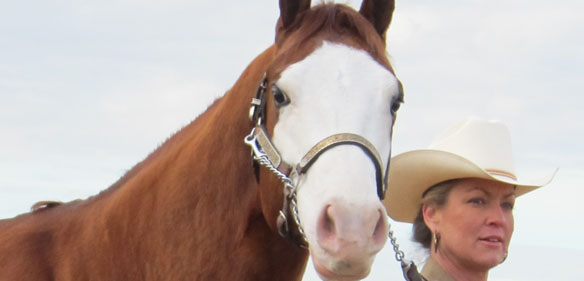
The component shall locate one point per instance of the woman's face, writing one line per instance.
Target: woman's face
(476, 224)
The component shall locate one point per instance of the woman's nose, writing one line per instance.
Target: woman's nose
(497, 216)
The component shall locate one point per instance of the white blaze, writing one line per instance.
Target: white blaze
(336, 89)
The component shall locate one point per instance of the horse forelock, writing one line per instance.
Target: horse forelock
(331, 22)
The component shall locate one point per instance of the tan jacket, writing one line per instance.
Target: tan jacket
(433, 272)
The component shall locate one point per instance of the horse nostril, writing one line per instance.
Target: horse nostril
(380, 231)
(327, 227)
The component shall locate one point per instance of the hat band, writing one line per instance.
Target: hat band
(501, 173)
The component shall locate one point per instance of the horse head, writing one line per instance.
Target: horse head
(324, 116)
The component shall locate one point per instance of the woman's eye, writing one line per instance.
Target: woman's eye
(280, 98)
(508, 205)
(477, 201)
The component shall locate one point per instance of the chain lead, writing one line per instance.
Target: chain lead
(409, 269)
(399, 254)
(263, 159)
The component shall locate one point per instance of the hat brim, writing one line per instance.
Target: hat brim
(412, 173)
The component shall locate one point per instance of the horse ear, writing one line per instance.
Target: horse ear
(379, 13)
(289, 9)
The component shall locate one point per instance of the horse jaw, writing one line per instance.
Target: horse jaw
(338, 89)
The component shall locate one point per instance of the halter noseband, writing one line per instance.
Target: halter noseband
(265, 153)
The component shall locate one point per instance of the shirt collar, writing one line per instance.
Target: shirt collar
(434, 272)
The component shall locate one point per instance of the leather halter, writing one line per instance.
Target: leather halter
(265, 153)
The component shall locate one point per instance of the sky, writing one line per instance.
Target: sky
(89, 88)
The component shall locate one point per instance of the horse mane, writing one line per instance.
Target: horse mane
(44, 205)
(336, 23)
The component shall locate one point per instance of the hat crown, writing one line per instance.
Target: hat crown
(474, 148)
(485, 143)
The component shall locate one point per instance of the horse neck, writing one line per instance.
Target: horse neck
(196, 199)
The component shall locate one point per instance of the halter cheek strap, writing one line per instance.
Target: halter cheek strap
(289, 205)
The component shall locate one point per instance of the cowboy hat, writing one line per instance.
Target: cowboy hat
(474, 148)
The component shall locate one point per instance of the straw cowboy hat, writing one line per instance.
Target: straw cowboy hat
(474, 148)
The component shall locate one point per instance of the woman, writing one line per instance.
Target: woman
(459, 195)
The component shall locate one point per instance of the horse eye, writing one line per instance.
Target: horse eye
(280, 98)
(395, 106)
(397, 102)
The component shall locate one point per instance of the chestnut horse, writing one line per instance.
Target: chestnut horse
(198, 208)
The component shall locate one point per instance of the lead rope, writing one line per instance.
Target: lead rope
(409, 268)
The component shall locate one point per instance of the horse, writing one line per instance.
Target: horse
(289, 162)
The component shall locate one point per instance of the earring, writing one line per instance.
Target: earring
(436, 240)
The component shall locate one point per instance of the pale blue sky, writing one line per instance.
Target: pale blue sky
(89, 88)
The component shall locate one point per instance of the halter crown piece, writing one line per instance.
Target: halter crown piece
(265, 153)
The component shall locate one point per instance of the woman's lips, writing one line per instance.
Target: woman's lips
(492, 240)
